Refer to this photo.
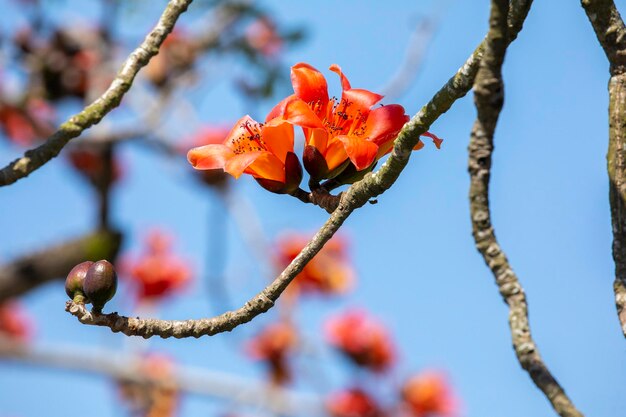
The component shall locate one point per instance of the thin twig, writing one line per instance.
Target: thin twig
(197, 381)
(611, 33)
(489, 98)
(111, 98)
(372, 185)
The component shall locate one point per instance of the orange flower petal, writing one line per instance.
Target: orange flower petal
(238, 138)
(278, 137)
(279, 109)
(317, 138)
(345, 84)
(308, 83)
(299, 113)
(384, 123)
(361, 152)
(361, 100)
(210, 156)
(437, 140)
(335, 154)
(267, 166)
(419, 145)
(236, 165)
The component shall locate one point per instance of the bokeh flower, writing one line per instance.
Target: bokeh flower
(157, 272)
(272, 346)
(329, 272)
(362, 339)
(353, 402)
(14, 322)
(428, 394)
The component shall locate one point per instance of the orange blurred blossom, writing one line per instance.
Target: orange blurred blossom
(157, 273)
(272, 346)
(14, 322)
(329, 272)
(362, 339)
(353, 402)
(428, 394)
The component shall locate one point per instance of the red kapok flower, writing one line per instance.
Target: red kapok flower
(362, 339)
(339, 130)
(157, 273)
(329, 272)
(428, 394)
(14, 323)
(264, 151)
(272, 345)
(353, 402)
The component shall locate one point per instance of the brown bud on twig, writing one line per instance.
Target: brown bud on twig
(100, 284)
(74, 282)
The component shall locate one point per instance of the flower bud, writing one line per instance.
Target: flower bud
(100, 283)
(293, 177)
(74, 282)
(314, 163)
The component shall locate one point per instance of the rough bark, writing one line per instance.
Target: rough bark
(611, 33)
(489, 99)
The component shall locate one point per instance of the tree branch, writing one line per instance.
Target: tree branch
(111, 98)
(196, 381)
(611, 33)
(489, 98)
(372, 185)
(28, 272)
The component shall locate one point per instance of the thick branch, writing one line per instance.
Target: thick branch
(190, 380)
(372, 185)
(489, 98)
(611, 33)
(24, 274)
(111, 98)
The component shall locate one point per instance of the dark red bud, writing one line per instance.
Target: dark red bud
(293, 177)
(100, 283)
(75, 279)
(293, 173)
(314, 163)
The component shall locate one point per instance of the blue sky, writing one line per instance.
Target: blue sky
(417, 266)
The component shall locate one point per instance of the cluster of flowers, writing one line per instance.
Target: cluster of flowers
(157, 272)
(343, 137)
(361, 339)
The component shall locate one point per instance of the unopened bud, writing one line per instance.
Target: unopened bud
(100, 283)
(75, 280)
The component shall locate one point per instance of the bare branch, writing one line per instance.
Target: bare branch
(95, 112)
(489, 98)
(194, 381)
(26, 273)
(372, 185)
(611, 33)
